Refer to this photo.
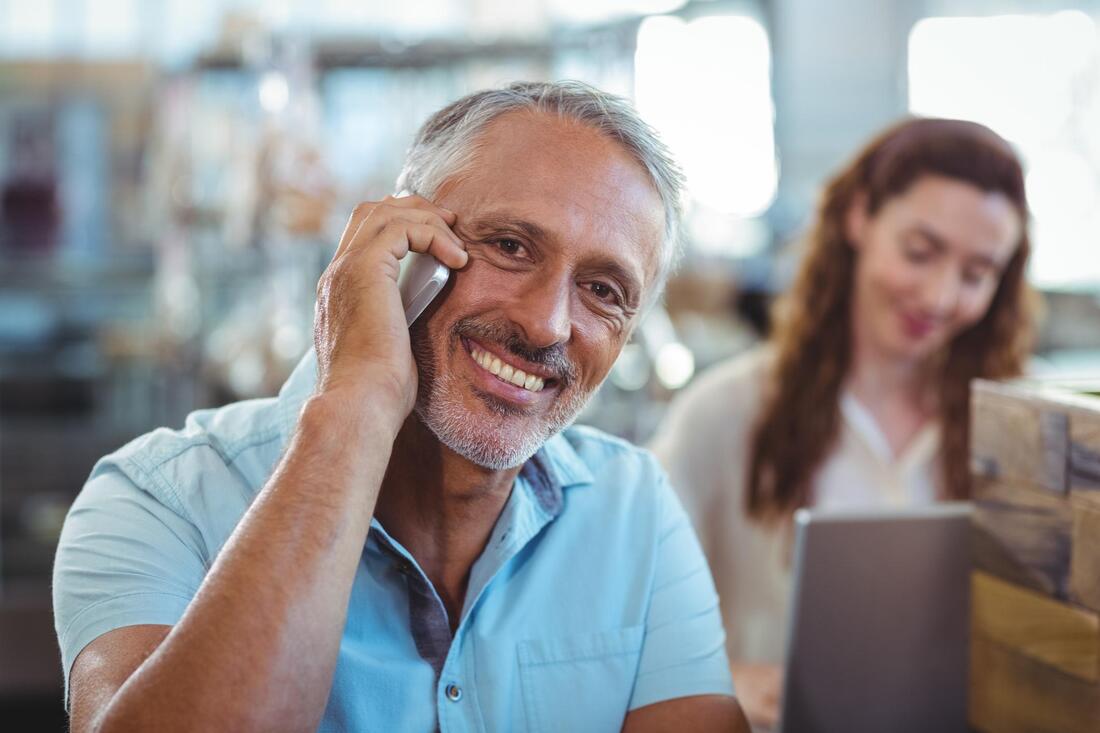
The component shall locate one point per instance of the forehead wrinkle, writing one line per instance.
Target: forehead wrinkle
(608, 182)
(611, 198)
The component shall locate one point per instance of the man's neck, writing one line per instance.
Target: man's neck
(441, 507)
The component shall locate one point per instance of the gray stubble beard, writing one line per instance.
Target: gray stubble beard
(495, 444)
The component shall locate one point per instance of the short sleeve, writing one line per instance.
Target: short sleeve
(124, 559)
(684, 650)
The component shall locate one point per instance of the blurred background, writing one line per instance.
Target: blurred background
(174, 175)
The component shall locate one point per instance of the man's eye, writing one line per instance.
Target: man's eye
(509, 246)
(603, 291)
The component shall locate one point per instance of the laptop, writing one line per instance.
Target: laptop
(878, 636)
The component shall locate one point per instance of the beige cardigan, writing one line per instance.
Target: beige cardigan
(703, 444)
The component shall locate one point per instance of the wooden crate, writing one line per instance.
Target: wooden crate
(1035, 619)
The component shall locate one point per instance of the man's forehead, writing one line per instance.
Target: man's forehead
(570, 180)
(537, 144)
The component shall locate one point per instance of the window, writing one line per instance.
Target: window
(705, 85)
(1035, 79)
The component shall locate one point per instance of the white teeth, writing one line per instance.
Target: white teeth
(507, 372)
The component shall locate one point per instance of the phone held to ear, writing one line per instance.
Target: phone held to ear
(422, 278)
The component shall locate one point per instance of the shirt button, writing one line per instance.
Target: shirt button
(453, 692)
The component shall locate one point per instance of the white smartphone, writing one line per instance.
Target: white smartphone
(422, 278)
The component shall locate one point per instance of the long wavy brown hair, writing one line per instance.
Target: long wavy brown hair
(812, 337)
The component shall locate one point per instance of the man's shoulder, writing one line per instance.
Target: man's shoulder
(618, 468)
(595, 447)
(234, 442)
(625, 507)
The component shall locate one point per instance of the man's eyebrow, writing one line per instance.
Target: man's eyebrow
(528, 228)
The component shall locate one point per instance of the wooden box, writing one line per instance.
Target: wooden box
(1035, 618)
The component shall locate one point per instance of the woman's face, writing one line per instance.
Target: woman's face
(927, 264)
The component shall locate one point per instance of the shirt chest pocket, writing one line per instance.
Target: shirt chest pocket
(580, 682)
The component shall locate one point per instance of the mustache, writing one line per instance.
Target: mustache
(552, 358)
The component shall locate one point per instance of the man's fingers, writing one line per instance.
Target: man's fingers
(370, 219)
(401, 236)
(399, 227)
(384, 215)
(377, 210)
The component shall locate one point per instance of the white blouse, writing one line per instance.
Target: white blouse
(703, 444)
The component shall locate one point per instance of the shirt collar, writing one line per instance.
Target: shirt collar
(555, 466)
(921, 449)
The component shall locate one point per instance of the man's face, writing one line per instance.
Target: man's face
(564, 231)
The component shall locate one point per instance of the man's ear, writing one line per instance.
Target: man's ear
(856, 220)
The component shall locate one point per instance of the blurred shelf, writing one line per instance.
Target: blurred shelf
(393, 54)
(30, 662)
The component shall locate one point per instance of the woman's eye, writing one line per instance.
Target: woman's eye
(915, 254)
(970, 277)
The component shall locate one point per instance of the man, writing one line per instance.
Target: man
(405, 542)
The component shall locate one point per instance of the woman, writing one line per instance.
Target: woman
(912, 285)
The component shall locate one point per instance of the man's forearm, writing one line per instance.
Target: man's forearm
(257, 646)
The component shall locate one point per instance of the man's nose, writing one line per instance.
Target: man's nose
(543, 311)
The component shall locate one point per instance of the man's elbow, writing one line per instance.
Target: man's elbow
(707, 713)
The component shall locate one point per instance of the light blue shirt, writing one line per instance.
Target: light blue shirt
(591, 598)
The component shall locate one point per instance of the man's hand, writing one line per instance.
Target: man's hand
(359, 331)
(758, 687)
(257, 647)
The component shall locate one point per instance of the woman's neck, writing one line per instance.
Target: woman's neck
(875, 377)
(896, 392)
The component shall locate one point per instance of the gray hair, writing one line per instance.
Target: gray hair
(447, 142)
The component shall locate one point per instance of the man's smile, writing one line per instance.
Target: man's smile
(505, 370)
(507, 376)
